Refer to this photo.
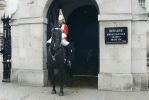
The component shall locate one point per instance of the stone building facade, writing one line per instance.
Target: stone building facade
(122, 67)
(2, 6)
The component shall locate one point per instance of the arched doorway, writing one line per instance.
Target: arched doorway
(82, 19)
(84, 29)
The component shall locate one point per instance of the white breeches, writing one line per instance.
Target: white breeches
(64, 42)
(49, 41)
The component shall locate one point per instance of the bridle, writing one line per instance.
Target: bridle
(53, 46)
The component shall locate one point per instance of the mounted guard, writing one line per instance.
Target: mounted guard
(58, 63)
(64, 29)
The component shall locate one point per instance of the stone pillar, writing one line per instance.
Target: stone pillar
(2, 7)
(123, 66)
(29, 51)
(148, 49)
(2, 4)
(139, 54)
(139, 47)
(115, 59)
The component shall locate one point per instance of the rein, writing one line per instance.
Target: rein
(55, 52)
(52, 44)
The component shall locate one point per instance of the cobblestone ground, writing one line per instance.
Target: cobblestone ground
(15, 91)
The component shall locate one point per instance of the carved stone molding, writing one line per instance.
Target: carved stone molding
(2, 4)
(147, 5)
(142, 3)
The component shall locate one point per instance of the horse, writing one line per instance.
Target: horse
(57, 64)
(69, 63)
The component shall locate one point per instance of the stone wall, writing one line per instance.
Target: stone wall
(122, 66)
(2, 6)
(29, 31)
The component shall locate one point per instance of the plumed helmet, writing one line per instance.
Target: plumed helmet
(61, 16)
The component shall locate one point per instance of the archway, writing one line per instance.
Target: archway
(82, 19)
(84, 29)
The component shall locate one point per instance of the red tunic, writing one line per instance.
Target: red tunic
(65, 30)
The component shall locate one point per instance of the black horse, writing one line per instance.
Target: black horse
(58, 65)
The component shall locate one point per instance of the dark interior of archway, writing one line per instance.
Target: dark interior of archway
(84, 33)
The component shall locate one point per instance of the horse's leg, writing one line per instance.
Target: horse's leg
(53, 82)
(69, 65)
(61, 81)
(70, 75)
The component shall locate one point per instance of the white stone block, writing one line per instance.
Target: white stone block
(28, 51)
(116, 53)
(106, 24)
(14, 74)
(35, 63)
(115, 66)
(139, 66)
(114, 17)
(15, 41)
(140, 82)
(115, 58)
(139, 28)
(29, 9)
(22, 53)
(136, 8)
(148, 73)
(37, 30)
(28, 63)
(15, 52)
(139, 41)
(122, 82)
(104, 81)
(115, 82)
(139, 54)
(114, 6)
(34, 52)
(140, 18)
(33, 77)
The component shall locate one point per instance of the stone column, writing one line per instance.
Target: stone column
(2, 4)
(139, 46)
(29, 51)
(115, 59)
(123, 67)
(2, 7)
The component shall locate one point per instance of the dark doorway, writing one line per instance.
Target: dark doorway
(84, 33)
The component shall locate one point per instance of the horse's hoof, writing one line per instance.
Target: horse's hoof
(61, 94)
(53, 92)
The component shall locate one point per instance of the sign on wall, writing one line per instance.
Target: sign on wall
(116, 35)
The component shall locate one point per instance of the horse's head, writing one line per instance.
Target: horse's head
(56, 37)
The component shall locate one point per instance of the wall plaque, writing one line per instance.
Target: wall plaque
(116, 35)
